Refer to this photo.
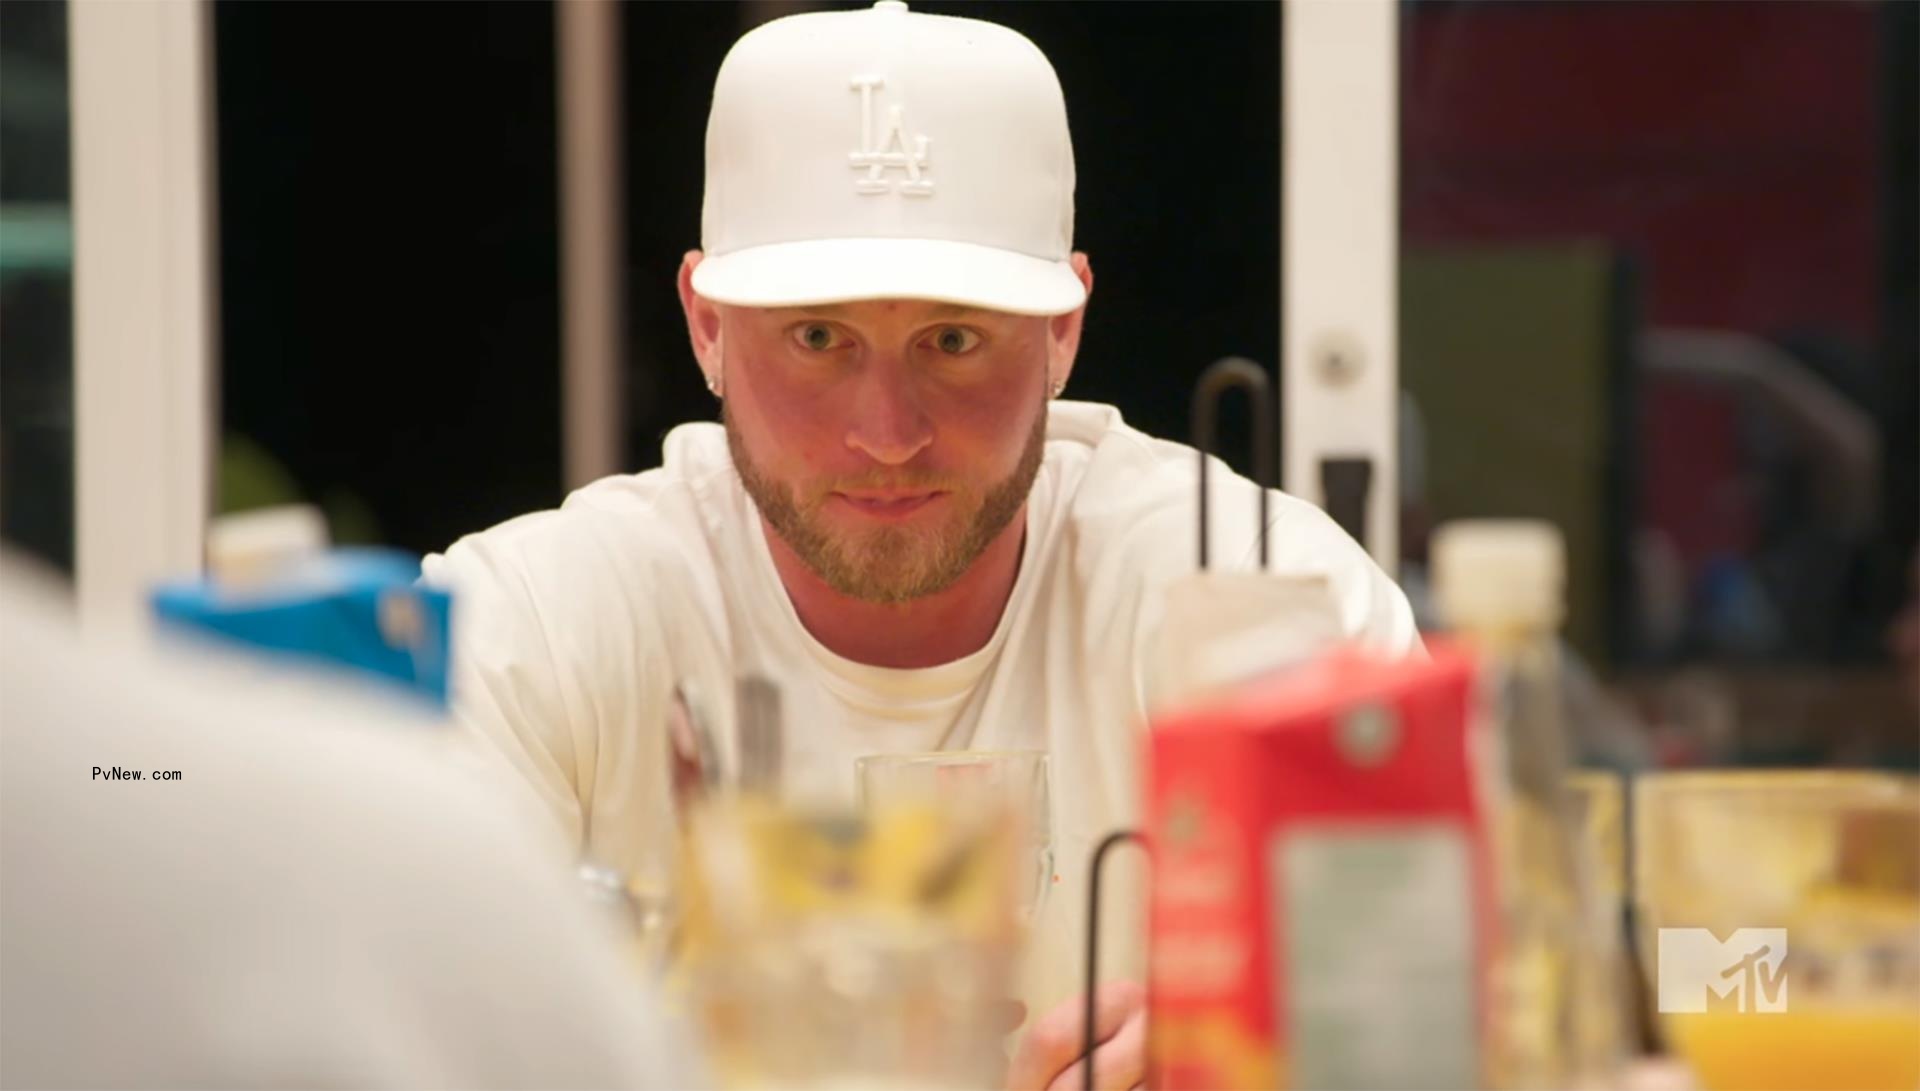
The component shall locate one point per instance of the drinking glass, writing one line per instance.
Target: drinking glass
(1010, 783)
(1779, 918)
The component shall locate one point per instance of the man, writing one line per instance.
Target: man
(898, 521)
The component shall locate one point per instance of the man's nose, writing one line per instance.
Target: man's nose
(889, 425)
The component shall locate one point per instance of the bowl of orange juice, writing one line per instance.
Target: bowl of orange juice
(1779, 924)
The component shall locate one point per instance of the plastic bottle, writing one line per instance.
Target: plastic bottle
(1500, 586)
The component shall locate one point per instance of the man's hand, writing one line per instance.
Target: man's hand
(1049, 1058)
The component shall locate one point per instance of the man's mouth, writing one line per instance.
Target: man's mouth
(888, 503)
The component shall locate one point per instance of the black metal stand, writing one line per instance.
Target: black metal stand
(1088, 1036)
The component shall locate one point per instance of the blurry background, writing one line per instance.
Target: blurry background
(1657, 284)
(36, 284)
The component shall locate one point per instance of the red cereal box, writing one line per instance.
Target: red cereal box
(1322, 912)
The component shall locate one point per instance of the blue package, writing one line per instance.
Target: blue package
(355, 608)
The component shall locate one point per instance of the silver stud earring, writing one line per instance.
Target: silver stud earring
(713, 386)
(1058, 386)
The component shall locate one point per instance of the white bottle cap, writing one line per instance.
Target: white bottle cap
(1499, 572)
(252, 546)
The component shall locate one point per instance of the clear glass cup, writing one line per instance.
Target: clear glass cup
(1779, 922)
(1013, 783)
(833, 949)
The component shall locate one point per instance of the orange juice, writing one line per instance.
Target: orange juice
(1826, 855)
(1818, 1048)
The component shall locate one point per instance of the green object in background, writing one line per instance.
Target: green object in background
(1519, 357)
(35, 237)
(251, 478)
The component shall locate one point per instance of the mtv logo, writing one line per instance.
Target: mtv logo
(1749, 966)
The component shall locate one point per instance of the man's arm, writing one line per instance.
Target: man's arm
(563, 669)
(507, 691)
(1373, 609)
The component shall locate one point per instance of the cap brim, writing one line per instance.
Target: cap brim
(823, 271)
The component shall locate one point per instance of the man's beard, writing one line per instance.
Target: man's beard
(890, 564)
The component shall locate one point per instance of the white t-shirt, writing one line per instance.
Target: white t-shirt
(572, 628)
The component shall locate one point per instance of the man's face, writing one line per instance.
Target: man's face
(887, 442)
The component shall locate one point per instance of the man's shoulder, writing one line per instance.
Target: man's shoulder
(1116, 485)
(1120, 488)
(692, 487)
(655, 522)
(1127, 517)
(1097, 458)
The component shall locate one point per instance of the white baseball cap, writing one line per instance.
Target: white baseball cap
(887, 154)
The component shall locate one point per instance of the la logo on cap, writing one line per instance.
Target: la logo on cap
(892, 153)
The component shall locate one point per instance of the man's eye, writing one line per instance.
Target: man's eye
(956, 340)
(817, 336)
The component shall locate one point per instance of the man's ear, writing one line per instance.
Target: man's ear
(1063, 331)
(703, 323)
